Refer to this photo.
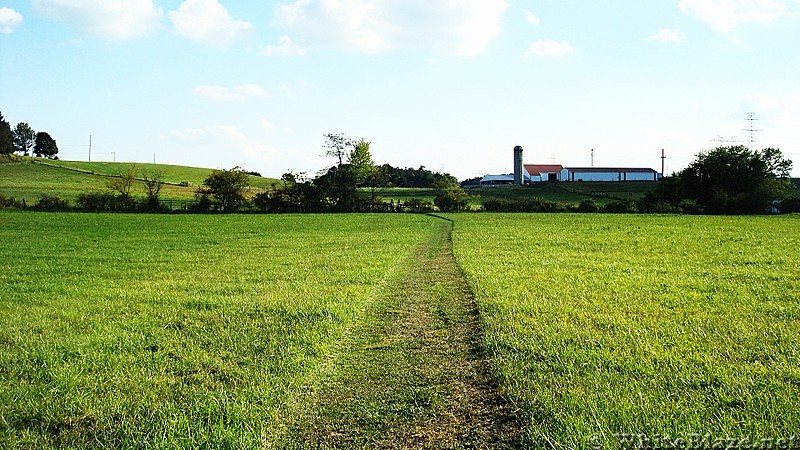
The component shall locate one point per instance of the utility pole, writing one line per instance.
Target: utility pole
(114, 154)
(154, 158)
(90, 148)
(592, 157)
(663, 159)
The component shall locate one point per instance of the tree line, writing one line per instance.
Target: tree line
(23, 140)
(725, 180)
(354, 183)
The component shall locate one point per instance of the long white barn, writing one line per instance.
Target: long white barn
(552, 172)
(611, 174)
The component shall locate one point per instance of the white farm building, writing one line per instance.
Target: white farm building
(609, 174)
(540, 173)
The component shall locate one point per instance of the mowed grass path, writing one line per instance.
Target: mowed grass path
(157, 331)
(604, 324)
(412, 373)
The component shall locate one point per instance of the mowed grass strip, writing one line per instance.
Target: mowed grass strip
(659, 325)
(411, 374)
(155, 331)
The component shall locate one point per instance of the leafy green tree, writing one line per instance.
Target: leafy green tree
(360, 162)
(227, 187)
(377, 180)
(23, 137)
(6, 137)
(45, 145)
(449, 196)
(736, 180)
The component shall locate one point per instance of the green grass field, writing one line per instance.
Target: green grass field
(159, 331)
(248, 331)
(670, 325)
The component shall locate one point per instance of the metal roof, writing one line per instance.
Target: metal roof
(536, 169)
(611, 169)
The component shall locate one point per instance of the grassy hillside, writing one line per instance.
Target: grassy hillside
(22, 178)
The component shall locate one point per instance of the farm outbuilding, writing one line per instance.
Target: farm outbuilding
(609, 174)
(544, 172)
(499, 180)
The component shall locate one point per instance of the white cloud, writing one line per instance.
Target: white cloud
(531, 18)
(669, 36)
(287, 47)
(230, 94)
(117, 19)
(223, 138)
(551, 49)
(207, 21)
(462, 27)
(727, 15)
(9, 20)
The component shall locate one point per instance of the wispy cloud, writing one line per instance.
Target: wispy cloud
(727, 15)
(116, 19)
(239, 93)
(207, 21)
(372, 26)
(286, 47)
(668, 35)
(550, 49)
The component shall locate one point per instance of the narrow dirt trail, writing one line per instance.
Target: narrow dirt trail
(411, 374)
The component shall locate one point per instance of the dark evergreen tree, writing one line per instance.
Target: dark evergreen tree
(6, 137)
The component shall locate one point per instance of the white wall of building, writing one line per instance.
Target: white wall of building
(578, 175)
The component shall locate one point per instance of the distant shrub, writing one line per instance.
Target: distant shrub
(588, 206)
(689, 206)
(497, 205)
(98, 201)
(790, 205)
(151, 205)
(203, 205)
(418, 205)
(255, 174)
(620, 207)
(9, 203)
(523, 205)
(51, 203)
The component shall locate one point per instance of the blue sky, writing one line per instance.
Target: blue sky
(451, 85)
